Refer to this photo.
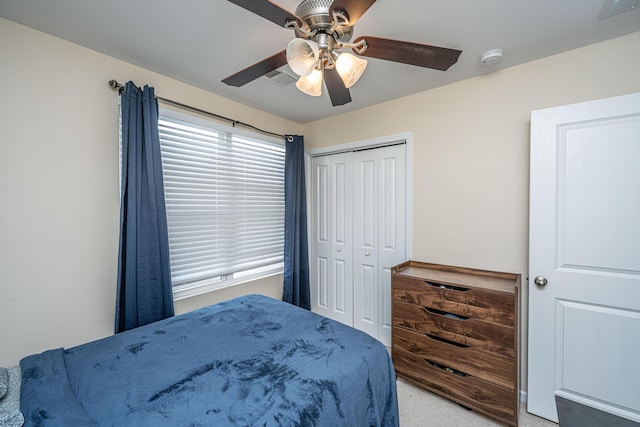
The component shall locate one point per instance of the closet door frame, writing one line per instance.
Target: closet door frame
(403, 138)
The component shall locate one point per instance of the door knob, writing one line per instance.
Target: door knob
(339, 249)
(540, 281)
(367, 254)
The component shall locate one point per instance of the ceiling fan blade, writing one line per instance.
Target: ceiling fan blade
(256, 70)
(338, 93)
(422, 55)
(354, 8)
(267, 10)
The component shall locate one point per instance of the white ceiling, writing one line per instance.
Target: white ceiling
(200, 42)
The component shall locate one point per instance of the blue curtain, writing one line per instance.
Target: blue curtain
(296, 258)
(144, 279)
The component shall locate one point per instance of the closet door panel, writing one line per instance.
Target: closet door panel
(366, 310)
(319, 264)
(366, 304)
(391, 228)
(341, 225)
(322, 283)
(340, 299)
(366, 199)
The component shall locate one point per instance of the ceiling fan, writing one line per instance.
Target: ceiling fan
(322, 29)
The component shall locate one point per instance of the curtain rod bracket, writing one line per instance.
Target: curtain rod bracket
(115, 85)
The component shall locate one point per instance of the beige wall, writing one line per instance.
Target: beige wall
(471, 151)
(59, 189)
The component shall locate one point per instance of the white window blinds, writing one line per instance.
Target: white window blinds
(224, 195)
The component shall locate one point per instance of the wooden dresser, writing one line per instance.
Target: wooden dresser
(455, 333)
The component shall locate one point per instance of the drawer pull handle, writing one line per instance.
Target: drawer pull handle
(447, 369)
(433, 337)
(449, 287)
(444, 313)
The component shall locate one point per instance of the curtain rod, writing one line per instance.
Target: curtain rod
(120, 87)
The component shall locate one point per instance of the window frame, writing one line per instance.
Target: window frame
(221, 282)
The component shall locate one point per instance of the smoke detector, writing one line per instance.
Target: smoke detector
(491, 57)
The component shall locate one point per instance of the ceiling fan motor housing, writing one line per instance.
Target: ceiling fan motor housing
(316, 15)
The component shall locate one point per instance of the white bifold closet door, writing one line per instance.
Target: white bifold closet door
(331, 260)
(358, 232)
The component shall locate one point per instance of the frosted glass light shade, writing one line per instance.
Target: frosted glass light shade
(311, 84)
(350, 68)
(302, 56)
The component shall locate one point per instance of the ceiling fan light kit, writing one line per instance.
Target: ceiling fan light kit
(311, 84)
(350, 68)
(322, 29)
(302, 56)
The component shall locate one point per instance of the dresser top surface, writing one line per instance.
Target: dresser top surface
(458, 276)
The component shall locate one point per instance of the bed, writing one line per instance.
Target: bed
(250, 361)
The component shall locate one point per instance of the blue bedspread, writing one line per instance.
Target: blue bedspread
(250, 361)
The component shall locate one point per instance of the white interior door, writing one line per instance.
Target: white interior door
(584, 324)
(331, 265)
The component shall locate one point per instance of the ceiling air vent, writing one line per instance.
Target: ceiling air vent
(280, 77)
(614, 7)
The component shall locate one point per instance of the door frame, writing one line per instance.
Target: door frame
(405, 137)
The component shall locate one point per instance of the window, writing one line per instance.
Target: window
(224, 193)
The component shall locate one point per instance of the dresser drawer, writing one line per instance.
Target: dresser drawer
(469, 391)
(468, 332)
(490, 306)
(478, 363)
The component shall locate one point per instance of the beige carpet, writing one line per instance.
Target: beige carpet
(419, 408)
